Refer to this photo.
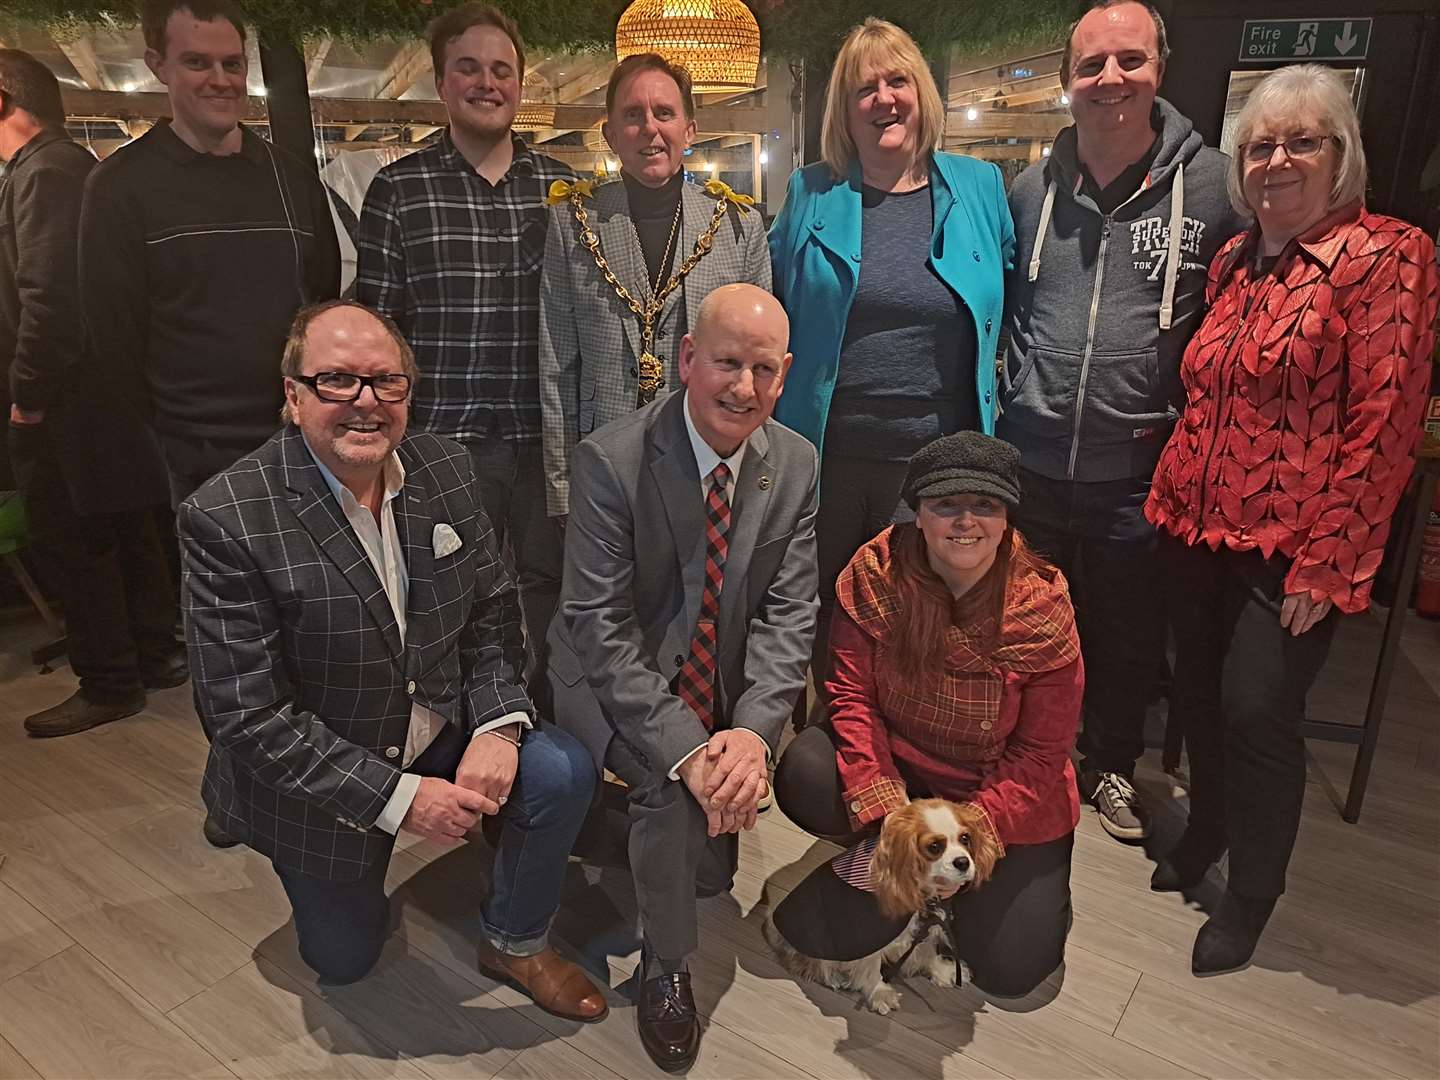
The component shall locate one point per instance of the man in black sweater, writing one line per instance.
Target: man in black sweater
(110, 570)
(198, 243)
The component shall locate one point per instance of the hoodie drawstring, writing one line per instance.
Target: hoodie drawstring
(1045, 210)
(1172, 260)
(1172, 256)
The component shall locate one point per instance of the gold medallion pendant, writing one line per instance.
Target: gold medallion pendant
(652, 377)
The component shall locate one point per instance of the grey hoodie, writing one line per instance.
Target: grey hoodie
(1099, 308)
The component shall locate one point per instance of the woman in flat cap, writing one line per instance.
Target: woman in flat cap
(957, 675)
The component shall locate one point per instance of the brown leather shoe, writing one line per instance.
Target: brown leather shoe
(553, 983)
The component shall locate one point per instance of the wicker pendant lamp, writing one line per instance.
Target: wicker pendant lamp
(717, 41)
(537, 103)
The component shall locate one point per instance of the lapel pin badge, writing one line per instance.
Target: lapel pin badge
(764, 483)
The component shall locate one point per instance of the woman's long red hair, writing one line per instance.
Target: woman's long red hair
(916, 652)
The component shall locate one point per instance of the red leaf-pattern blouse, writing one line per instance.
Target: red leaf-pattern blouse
(1305, 389)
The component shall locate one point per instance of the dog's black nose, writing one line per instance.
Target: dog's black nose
(961, 863)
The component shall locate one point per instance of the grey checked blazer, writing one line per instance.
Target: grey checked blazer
(634, 569)
(300, 679)
(589, 338)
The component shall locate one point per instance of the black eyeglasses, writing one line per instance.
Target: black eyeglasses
(1301, 146)
(341, 386)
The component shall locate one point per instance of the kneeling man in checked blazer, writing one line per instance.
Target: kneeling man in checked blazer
(686, 616)
(355, 647)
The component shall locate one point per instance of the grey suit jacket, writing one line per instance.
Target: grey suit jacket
(301, 681)
(589, 338)
(634, 564)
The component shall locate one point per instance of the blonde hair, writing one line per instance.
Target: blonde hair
(1288, 94)
(876, 43)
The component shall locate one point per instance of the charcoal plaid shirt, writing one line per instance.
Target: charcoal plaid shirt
(455, 261)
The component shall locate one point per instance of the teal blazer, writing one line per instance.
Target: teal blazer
(815, 255)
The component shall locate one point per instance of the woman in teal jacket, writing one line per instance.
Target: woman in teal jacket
(890, 259)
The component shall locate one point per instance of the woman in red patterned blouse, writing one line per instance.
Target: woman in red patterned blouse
(956, 674)
(1304, 386)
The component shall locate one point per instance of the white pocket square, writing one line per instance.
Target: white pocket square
(444, 540)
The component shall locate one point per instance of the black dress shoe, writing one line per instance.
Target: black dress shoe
(669, 1025)
(172, 671)
(216, 835)
(79, 713)
(1228, 939)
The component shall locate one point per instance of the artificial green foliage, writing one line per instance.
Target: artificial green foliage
(793, 28)
(815, 27)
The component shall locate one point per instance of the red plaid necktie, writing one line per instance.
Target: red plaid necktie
(696, 682)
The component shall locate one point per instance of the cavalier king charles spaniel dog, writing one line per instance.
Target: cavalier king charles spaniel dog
(927, 850)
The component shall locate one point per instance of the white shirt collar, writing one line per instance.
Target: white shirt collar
(705, 456)
(394, 478)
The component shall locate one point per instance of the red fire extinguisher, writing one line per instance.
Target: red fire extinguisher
(1427, 593)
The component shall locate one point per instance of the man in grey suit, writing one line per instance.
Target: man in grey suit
(686, 617)
(355, 643)
(597, 362)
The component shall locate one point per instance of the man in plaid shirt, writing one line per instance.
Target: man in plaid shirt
(450, 245)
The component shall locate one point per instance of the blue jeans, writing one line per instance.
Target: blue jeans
(342, 925)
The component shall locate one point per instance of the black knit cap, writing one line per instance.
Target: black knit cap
(966, 463)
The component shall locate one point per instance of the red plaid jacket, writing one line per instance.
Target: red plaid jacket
(996, 729)
(1304, 392)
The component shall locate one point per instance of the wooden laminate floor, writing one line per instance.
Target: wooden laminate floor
(130, 948)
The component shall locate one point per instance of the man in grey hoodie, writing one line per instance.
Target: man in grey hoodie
(1114, 231)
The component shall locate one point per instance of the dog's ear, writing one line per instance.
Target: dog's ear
(984, 847)
(897, 867)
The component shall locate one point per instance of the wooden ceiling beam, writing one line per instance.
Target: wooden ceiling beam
(1004, 124)
(717, 120)
(989, 76)
(81, 54)
(1019, 151)
(403, 71)
(317, 51)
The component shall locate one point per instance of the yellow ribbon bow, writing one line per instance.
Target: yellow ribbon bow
(561, 190)
(718, 189)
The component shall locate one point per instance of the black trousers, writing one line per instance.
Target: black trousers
(1239, 690)
(1096, 533)
(1010, 932)
(858, 498)
(511, 479)
(109, 569)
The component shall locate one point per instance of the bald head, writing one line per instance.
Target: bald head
(733, 364)
(740, 308)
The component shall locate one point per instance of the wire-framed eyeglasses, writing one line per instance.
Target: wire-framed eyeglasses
(1298, 146)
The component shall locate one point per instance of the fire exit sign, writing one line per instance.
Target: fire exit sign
(1295, 41)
